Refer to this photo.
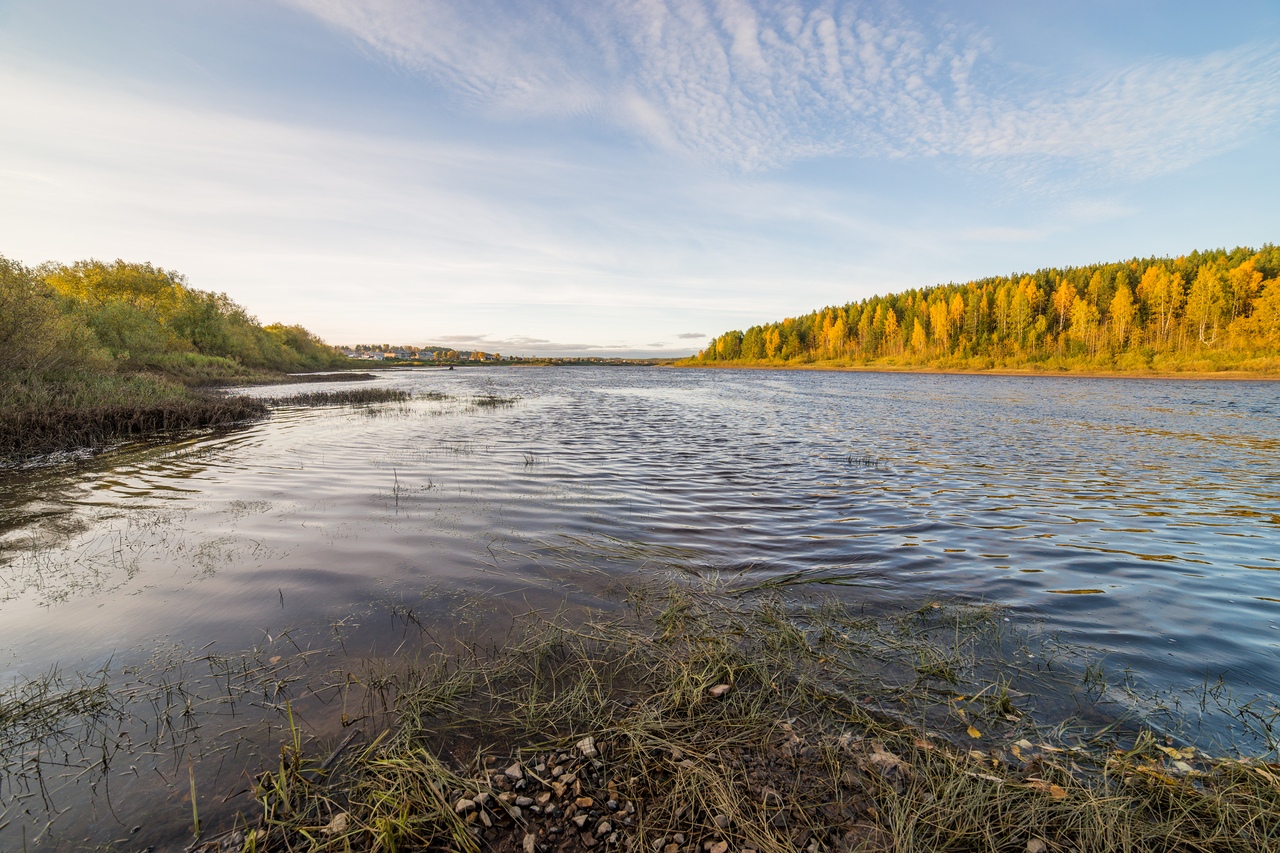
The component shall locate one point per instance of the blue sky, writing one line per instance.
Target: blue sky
(625, 177)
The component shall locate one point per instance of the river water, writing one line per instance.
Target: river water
(1139, 519)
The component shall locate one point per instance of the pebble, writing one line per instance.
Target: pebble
(720, 847)
(718, 691)
(587, 746)
(722, 821)
(530, 843)
(580, 820)
(464, 805)
(604, 828)
(514, 772)
(584, 802)
(524, 801)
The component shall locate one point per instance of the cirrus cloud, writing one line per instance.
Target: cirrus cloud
(756, 85)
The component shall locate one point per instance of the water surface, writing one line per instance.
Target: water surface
(1138, 518)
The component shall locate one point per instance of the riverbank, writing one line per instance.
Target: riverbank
(710, 721)
(40, 415)
(837, 367)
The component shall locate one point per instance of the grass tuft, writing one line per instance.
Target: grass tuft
(704, 721)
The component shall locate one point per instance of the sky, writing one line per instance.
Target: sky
(625, 177)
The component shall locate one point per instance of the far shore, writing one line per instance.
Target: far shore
(1228, 375)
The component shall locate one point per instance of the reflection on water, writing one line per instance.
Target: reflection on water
(1141, 518)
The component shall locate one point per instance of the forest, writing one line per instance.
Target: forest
(92, 351)
(1207, 311)
(128, 317)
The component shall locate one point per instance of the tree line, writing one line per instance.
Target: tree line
(119, 318)
(1209, 310)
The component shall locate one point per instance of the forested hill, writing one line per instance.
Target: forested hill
(110, 318)
(1206, 311)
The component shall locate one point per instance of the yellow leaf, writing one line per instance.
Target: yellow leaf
(974, 733)
(1055, 791)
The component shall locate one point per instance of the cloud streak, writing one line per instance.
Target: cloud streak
(758, 85)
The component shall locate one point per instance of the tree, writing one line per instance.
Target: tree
(1264, 323)
(892, 336)
(1084, 323)
(1162, 291)
(1243, 282)
(97, 283)
(1206, 298)
(940, 322)
(39, 331)
(919, 340)
(1063, 298)
(1122, 311)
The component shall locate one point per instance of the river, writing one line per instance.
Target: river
(1136, 519)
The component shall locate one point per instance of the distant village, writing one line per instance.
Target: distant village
(383, 352)
(444, 355)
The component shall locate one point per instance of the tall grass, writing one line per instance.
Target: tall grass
(40, 416)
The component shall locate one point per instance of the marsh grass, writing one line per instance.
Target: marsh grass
(343, 397)
(340, 376)
(721, 720)
(64, 734)
(37, 418)
(493, 401)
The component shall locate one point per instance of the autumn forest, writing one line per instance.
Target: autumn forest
(1203, 312)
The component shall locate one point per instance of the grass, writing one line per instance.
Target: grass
(715, 719)
(39, 417)
(493, 401)
(344, 397)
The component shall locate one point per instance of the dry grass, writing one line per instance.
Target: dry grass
(723, 723)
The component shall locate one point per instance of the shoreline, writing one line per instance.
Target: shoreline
(716, 721)
(1195, 376)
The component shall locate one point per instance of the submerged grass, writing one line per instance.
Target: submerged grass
(344, 397)
(705, 721)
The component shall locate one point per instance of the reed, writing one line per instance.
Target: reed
(343, 397)
(30, 431)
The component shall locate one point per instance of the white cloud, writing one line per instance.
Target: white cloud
(757, 85)
(361, 235)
